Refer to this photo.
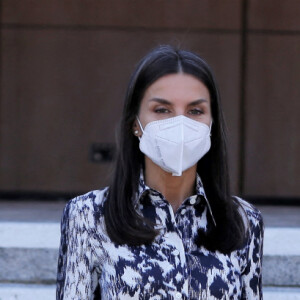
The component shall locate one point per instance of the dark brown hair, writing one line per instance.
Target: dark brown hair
(124, 225)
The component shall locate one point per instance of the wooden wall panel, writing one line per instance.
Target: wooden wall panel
(155, 14)
(273, 106)
(64, 90)
(274, 15)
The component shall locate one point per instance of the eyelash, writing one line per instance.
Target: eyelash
(161, 110)
(194, 111)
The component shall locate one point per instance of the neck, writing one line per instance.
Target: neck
(175, 189)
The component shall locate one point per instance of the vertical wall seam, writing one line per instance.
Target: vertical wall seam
(242, 104)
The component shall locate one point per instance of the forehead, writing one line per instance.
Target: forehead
(178, 86)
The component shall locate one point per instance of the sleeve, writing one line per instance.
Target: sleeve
(252, 273)
(76, 275)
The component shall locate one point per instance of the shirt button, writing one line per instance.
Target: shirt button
(176, 252)
(178, 295)
(183, 211)
(193, 201)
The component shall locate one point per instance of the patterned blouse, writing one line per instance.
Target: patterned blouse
(91, 266)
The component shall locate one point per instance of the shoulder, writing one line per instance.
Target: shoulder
(250, 210)
(88, 205)
(252, 217)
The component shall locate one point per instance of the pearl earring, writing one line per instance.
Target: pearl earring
(136, 132)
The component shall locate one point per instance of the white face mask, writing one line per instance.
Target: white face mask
(175, 144)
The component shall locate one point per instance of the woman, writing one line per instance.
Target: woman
(167, 226)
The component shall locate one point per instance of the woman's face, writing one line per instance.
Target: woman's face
(173, 95)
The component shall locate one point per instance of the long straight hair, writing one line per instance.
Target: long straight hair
(123, 223)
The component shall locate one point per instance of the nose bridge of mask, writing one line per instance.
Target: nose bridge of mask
(169, 129)
(188, 128)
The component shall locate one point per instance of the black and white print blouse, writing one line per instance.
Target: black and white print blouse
(91, 266)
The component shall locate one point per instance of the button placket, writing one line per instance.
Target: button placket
(179, 260)
(172, 237)
(172, 215)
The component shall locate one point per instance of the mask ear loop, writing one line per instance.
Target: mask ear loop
(140, 124)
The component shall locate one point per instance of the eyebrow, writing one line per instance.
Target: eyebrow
(164, 101)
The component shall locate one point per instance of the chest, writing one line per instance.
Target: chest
(168, 269)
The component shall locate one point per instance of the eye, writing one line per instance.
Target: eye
(161, 110)
(195, 111)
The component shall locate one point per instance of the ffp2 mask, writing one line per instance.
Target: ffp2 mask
(175, 144)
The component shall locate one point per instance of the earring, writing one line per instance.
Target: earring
(136, 132)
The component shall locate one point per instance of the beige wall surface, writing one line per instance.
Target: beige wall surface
(65, 66)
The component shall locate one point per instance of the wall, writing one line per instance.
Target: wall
(65, 66)
(272, 103)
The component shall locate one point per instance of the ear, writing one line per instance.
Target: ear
(136, 129)
(135, 126)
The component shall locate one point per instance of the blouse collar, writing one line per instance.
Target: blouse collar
(144, 189)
